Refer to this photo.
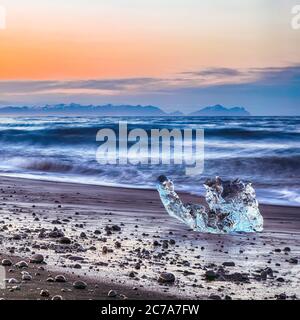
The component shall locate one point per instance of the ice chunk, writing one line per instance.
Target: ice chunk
(232, 207)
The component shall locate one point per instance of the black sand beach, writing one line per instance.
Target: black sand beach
(122, 240)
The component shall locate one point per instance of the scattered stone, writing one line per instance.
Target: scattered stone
(37, 258)
(60, 278)
(6, 262)
(44, 293)
(293, 261)
(79, 285)
(265, 273)
(21, 264)
(12, 281)
(116, 228)
(26, 277)
(228, 264)
(281, 296)
(50, 279)
(132, 274)
(65, 240)
(104, 249)
(118, 244)
(112, 294)
(166, 277)
(210, 275)
(165, 244)
(137, 266)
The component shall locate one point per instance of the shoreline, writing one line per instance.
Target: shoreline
(127, 188)
(144, 243)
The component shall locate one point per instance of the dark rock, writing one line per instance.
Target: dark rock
(44, 293)
(37, 258)
(210, 275)
(281, 296)
(21, 264)
(6, 262)
(65, 240)
(118, 244)
(293, 261)
(112, 294)
(60, 278)
(79, 285)
(166, 277)
(228, 264)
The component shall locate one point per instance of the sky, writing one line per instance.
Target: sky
(175, 54)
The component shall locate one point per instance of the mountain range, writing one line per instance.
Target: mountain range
(119, 110)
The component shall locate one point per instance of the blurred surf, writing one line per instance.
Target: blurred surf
(264, 150)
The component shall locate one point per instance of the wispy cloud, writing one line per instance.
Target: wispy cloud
(215, 72)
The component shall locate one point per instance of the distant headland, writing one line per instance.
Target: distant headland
(120, 110)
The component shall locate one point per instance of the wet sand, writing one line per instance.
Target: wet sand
(122, 240)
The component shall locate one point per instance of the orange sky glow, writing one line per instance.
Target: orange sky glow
(106, 39)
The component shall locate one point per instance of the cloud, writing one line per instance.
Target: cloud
(216, 72)
(261, 90)
(42, 86)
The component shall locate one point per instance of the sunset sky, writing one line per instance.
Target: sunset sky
(176, 54)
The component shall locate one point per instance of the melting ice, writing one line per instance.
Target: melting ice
(232, 207)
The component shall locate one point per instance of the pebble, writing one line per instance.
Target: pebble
(60, 278)
(26, 277)
(83, 235)
(293, 261)
(112, 294)
(210, 275)
(104, 249)
(6, 262)
(50, 279)
(116, 228)
(65, 240)
(281, 296)
(118, 244)
(22, 264)
(79, 285)
(228, 264)
(37, 258)
(44, 293)
(166, 277)
(12, 281)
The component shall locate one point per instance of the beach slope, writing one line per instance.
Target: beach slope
(122, 240)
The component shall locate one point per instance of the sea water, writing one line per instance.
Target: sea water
(263, 150)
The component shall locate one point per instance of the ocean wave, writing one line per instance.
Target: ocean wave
(265, 151)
